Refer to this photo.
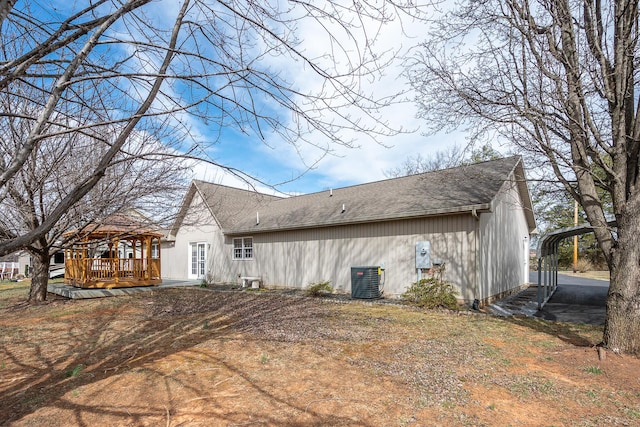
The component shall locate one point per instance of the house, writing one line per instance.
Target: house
(15, 265)
(475, 220)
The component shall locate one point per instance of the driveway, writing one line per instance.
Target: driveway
(576, 300)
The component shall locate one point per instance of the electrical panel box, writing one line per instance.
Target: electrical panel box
(423, 255)
(365, 282)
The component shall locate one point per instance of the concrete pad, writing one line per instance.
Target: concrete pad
(72, 292)
(570, 303)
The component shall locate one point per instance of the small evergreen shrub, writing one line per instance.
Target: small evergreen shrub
(431, 292)
(320, 288)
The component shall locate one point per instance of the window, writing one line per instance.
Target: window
(58, 257)
(243, 248)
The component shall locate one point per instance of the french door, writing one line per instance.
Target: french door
(198, 260)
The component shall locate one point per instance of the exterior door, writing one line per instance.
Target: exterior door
(198, 260)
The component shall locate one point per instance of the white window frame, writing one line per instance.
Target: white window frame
(242, 248)
(197, 266)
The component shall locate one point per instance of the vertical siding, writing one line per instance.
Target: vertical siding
(298, 258)
(503, 253)
(198, 225)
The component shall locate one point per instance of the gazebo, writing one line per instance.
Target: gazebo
(116, 252)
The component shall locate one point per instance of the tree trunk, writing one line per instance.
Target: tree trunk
(622, 325)
(39, 278)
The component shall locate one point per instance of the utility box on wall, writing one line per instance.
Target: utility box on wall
(423, 255)
(365, 282)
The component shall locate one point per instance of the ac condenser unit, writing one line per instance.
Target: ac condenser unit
(365, 282)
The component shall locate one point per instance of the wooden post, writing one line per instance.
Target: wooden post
(116, 260)
(84, 273)
(147, 242)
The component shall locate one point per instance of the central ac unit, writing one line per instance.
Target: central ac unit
(365, 282)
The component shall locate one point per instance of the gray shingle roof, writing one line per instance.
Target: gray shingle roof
(230, 205)
(460, 189)
(227, 205)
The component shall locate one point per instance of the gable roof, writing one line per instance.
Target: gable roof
(225, 204)
(470, 188)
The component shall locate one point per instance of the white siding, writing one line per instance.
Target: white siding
(298, 258)
(504, 251)
(198, 225)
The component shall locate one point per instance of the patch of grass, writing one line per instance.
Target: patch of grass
(595, 370)
(448, 404)
(525, 386)
(633, 413)
(548, 344)
(264, 358)
(75, 371)
(13, 292)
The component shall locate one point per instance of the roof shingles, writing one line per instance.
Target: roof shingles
(452, 190)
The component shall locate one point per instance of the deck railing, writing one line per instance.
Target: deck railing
(9, 270)
(98, 269)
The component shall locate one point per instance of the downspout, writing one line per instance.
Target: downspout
(476, 265)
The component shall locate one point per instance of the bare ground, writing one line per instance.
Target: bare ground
(195, 357)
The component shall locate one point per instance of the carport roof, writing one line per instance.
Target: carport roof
(547, 244)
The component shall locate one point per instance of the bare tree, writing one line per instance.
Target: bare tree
(121, 63)
(443, 159)
(415, 164)
(141, 177)
(557, 79)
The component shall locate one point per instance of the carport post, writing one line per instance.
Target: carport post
(539, 293)
(554, 282)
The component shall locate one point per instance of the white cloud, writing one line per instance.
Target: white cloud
(369, 161)
(345, 165)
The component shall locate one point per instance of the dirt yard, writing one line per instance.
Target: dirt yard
(200, 357)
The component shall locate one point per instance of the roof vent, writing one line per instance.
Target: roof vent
(343, 208)
(331, 192)
(257, 218)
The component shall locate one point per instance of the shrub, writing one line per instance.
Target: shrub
(431, 292)
(583, 265)
(320, 288)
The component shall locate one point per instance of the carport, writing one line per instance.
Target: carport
(548, 259)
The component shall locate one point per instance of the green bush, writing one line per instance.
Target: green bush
(431, 292)
(317, 289)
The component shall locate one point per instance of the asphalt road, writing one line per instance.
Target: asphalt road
(564, 279)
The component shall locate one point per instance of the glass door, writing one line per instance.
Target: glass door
(198, 260)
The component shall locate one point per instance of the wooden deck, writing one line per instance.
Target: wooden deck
(108, 273)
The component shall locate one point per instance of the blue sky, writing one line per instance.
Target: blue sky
(274, 162)
(305, 169)
(347, 166)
